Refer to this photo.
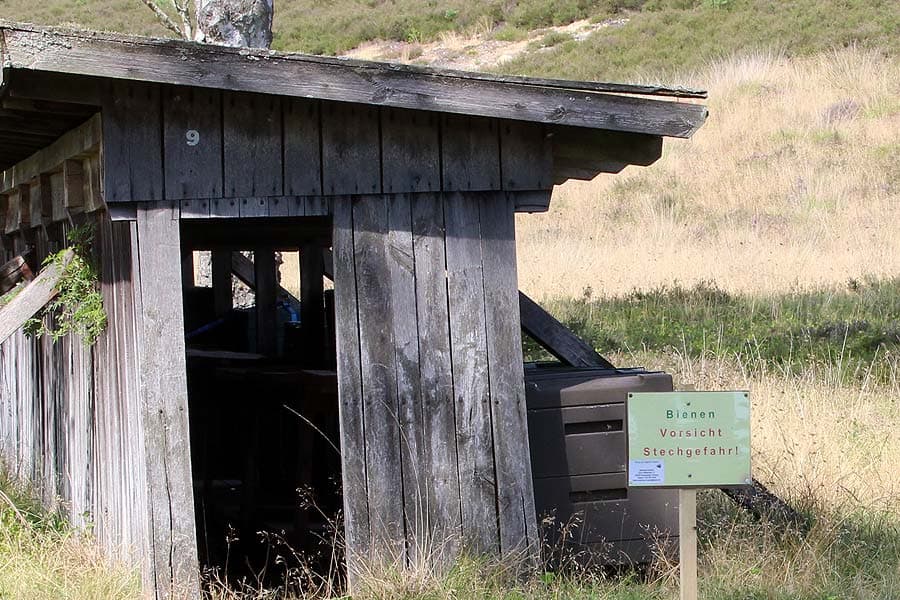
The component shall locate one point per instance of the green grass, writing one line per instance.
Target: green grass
(661, 37)
(856, 328)
(669, 38)
(41, 558)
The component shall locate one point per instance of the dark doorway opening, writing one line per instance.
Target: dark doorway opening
(262, 388)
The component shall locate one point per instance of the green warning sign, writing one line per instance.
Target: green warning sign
(688, 439)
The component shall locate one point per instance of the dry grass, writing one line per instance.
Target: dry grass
(794, 181)
(41, 559)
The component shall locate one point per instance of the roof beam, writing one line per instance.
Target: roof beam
(77, 143)
(267, 72)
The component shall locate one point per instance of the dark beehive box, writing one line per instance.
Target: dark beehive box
(577, 434)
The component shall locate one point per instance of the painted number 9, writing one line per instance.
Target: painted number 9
(193, 137)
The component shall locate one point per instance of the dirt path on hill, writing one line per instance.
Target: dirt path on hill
(477, 51)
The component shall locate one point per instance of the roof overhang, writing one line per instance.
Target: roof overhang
(581, 104)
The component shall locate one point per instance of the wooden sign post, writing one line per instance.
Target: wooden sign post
(688, 440)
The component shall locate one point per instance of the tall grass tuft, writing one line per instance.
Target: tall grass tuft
(42, 559)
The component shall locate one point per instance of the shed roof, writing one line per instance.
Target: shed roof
(38, 59)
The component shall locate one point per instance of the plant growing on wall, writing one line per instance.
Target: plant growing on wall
(78, 307)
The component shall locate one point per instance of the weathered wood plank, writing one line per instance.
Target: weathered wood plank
(583, 153)
(253, 207)
(163, 387)
(132, 143)
(224, 207)
(350, 393)
(350, 149)
(41, 203)
(30, 300)
(470, 153)
(438, 463)
(519, 538)
(93, 196)
(526, 156)
(471, 385)
(253, 145)
(73, 186)
(302, 148)
(195, 209)
(266, 72)
(373, 256)
(401, 286)
(410, 151)
(16, 209)
(13, 271)
(556, 338)
(192, 138)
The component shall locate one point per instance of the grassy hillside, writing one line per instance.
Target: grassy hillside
(659, 36)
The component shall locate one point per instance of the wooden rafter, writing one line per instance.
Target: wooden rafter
(52, 183)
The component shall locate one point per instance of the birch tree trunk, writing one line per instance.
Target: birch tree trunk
(239, 23)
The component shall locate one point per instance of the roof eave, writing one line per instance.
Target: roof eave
(263, 71)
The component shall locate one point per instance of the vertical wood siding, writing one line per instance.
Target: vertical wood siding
(71, 424)
(430, 368)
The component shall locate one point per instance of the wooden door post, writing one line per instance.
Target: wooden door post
(163, 369)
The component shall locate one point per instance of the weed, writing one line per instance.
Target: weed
(78, 307)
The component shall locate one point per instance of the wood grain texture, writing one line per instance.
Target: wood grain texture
(192, 138)
(470, 153)
(410, 151)
(471, 383)
(526, 156)
(346, 81)
(132, 143)
(253, 145)
(163, 387)
(556, 338)
(519, 539)
(350, 392)
(372, 257)
(36, 294)
(438, 465)
(401, 287)
(351, 161)
(302, 148)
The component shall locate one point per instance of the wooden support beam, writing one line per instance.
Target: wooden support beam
(80, 142)
(242, 267)
(41, 202)
(556, 338)
(73, 185)
(163, 386)
(33, 298)
(266, 299)
(17, 212)
(223, 295)
(14, 271)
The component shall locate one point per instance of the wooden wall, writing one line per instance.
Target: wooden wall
(70, 418)
(82, 425)
(433, 421)
(228, 154)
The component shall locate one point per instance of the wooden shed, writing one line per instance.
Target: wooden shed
(398, 183)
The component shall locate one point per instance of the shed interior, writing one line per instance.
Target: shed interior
(262, 395)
